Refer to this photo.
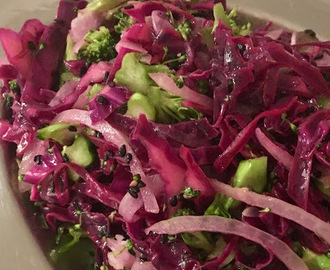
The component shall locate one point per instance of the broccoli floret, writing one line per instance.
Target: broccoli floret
(315, 261)
(134, 75)
(14, 87)
(190, 193)
(124, 21)
(99, 46)
(184, 212)
(220, 206)
(228, 19)
(184, 29)
(251, 173)
(72, 248)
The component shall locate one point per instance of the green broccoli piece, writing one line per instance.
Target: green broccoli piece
(140, 104)
(220, 206)
(134, 75)
(14, 87)
(99, 46)
(315, 261)
(184, 29)
(104, 5)
(190, 193)
(251, 173)
(124, 21)
(228, 19)
(72, 248)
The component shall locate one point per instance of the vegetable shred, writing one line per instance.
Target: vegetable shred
(171, 135)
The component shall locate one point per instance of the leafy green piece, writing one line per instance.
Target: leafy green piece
(315, 261)
(251, 173)
(200, 240)
(168, 108)
(99, 46)
(220, 206)
(73, 249)
(124, 21)
(228, 19)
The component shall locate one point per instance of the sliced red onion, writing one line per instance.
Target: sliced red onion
(165, 82)
(276, 206)
(230, 226)
(64, 91)
(119, 257)
(277, 152)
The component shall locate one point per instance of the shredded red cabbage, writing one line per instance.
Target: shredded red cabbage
(117, 159)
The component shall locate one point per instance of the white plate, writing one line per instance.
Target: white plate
(18, 248)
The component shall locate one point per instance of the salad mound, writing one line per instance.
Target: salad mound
(170, 135)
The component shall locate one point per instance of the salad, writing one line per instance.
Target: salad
(171, 135)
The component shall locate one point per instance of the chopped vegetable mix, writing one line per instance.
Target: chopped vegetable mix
(171, 135)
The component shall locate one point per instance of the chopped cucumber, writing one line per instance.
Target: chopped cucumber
(61, 132)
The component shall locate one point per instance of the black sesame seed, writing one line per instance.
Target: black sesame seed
(82, 71)
(141, 184)
(31, 46)
(99, 135)
(128, 158)
(129, 7)
(135, 189)
(230, 85)
(103, 231)
(318, 56)
(164, 238)
(106, 76)
(102, 100)
(310, 32)
(133, 193)
(241, 46)
(72, 128)
(122, 150)
(112, 84)
(174, 201)
(76, 205)
(37, 159)
(65, 158)
(108, 154)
